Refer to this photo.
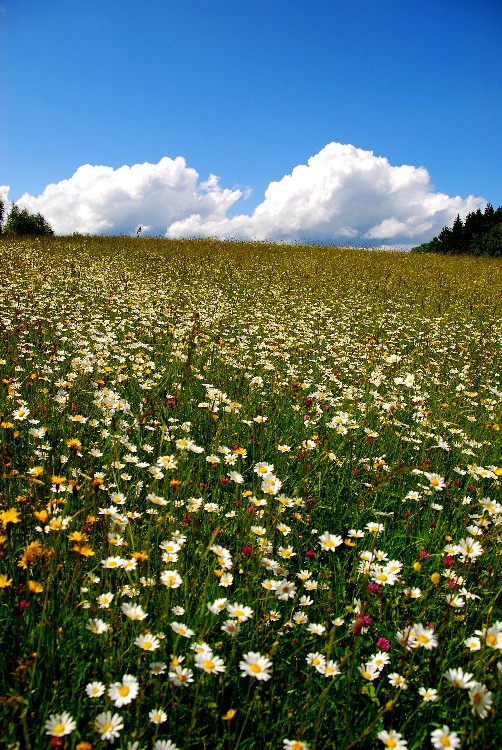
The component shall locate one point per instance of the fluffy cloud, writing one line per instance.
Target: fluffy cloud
(102, 200)
(4, 196)
(342, 195)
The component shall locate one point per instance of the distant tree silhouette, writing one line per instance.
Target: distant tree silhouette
(479, 234)
(20, 221)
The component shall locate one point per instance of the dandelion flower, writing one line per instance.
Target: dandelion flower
(59, 725)
(9, 516)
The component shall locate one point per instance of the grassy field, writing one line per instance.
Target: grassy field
(249, 497)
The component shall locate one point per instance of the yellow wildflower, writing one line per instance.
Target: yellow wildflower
(83, 550)
(77, 536)
(4, 581)
(34, 549)
(139, 556)
(9, 516)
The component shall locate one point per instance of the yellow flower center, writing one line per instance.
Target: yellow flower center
(59, 729)
(390, 742)
(208, 664)
(147, 644)
(255, 668)
(124, 690)
(491, 639)
(445, 742)
(423, 638)
(106, 727)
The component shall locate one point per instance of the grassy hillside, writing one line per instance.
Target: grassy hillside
(277, 468)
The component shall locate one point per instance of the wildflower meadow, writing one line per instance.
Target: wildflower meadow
(249, 497)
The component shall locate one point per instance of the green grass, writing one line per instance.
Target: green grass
(360, 376)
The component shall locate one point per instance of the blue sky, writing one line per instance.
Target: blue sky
(249, 91)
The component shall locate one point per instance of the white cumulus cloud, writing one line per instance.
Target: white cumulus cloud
(342, 195)
(102, 200)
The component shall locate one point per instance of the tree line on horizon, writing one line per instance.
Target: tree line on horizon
(479, 234)
(20, 222)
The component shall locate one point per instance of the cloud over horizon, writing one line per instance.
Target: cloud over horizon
(343, 195)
